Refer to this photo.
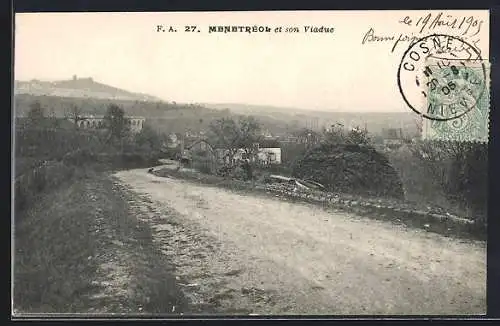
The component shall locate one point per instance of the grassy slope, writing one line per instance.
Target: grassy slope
(52, 243)
(59, 250)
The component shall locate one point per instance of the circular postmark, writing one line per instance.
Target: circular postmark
(441, 77)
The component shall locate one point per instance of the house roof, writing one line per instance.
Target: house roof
(191, 142)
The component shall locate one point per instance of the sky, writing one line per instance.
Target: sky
(316, 71)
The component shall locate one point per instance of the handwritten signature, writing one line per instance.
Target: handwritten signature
(371, 37)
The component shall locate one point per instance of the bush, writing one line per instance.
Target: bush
(461, 169)
(48, 176)
(53, 144)
(148, 140)
(79, 157)
(449, 175)
(275, 169)
(291, 151)
(352, 169)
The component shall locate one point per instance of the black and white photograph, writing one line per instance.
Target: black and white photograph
(257, 163)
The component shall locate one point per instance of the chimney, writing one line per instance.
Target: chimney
(74, 77)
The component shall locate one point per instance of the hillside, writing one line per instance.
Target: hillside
(316, 120)
(164, 117)
(78, 87)
(94, 97)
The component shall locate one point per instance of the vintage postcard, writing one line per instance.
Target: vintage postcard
(251, 163)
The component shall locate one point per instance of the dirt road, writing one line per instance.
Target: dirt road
(248, 254)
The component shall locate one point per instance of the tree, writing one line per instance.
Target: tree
(233, 136)
(337, 134)
(148, 139)
(75, 114)
(307, 136)
(36, 113)
(334, 134)
(38, 117)
(461, 168)
(116, 123)
(249, 134)
(357, 136)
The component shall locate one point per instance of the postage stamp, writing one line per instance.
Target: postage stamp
(445, 80)
(458, 99)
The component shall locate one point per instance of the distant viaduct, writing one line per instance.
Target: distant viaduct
(136, 123)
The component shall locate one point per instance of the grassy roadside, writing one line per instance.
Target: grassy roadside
(52, 243)
(62, 241)
(152, 286)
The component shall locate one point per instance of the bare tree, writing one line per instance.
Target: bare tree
(459, 167)
(232, 136)
(337, 134)
(307, 136)
(36, 113)
(249, 136)
(75, 114)
(357, 136)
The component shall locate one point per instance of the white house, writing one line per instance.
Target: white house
(268, 152)
(270, 155)
(173, 140)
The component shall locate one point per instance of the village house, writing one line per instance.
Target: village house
(393, 137)
(267, 152)
(173, 140)
(199, 154)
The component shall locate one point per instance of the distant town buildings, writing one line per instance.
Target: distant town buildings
(267, 151)
(393, 137)
(78, 87)
(264, 156)
(266, 133)
(312, 123)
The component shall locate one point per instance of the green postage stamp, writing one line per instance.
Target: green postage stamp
(458, 100)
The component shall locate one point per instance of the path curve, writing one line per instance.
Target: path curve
(269, 256)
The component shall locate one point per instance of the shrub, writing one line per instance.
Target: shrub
(29, 185)
(352, 169)
(449, 175)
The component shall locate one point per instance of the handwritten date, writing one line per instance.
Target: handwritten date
(468, 25)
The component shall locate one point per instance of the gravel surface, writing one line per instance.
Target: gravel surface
(237, 253)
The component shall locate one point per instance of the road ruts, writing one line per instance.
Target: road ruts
(250, 254)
